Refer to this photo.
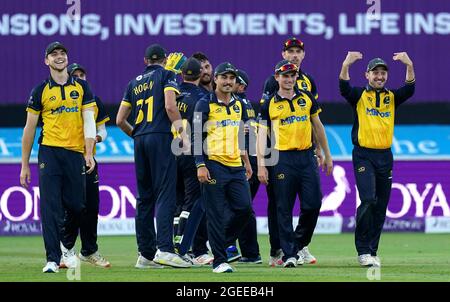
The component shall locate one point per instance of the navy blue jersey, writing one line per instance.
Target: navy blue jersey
(204, 90)
(250, 135)
(186, 100)
(100, 114)
(145, 95)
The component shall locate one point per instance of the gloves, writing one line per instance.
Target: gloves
(174, 62)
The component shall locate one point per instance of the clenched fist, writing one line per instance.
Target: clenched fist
(352, 57)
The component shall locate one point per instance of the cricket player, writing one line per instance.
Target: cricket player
(374, 109)
(219, 167)
(66, 107)
(151, 96)
(89, 219)
(290, 114)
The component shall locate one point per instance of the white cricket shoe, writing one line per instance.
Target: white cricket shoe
(95, 259)
(306, 256)
(376, 261)
(223, 268)
(50, 267)
(171, 259)
(144, 263)
(366, 260)
(276, 260)
(290, 262)
(205, 259)
(69, 258)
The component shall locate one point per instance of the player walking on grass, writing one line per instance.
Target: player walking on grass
(66, 107)
(248, 237)
(191, 204)
(293, 52)
(373, 129)
(89, 219)
(219, 169)
(151, 96)
(290, 114)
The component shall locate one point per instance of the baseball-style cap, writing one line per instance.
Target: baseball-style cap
(224, 68)
(155, 52)
(75, 66)
(377, 62)
(242, 77)
(54, 45)
(192, 66)
(293, 42)
(285, 66)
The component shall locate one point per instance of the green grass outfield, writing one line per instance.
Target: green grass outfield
(405, 257)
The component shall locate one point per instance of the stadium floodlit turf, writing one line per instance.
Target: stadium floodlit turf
(405, 257)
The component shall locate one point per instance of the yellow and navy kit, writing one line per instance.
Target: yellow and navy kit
(304, 82)
(223, 124)
(290, 120)
(250, 136)
(189, 95)
(100, 115)
(145, 95)
(60, 109)
(374, 113)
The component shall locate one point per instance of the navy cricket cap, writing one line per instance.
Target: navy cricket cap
(191, 67)
(75, 66)
(224, 68)
(377, 62)
(285, 66)
(242, 77)
(155, 52)
(293, 42)
(54, 45)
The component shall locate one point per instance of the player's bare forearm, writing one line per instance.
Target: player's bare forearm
(344, 75)
(27, 144)
(410, 75)
(323, 141)
(29, 132)
(404, 58)
(245, 159)
(261, 145)
(172, 110)
(248, 166)
(121, 120)
(352, 57)
(89, 144)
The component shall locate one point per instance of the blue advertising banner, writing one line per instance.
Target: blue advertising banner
(410, 143)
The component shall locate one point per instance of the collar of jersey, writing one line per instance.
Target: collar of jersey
(52, 83)
(152, 67)
(370, 88)
(279, 98)
(214, 99)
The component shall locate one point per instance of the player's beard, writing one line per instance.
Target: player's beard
(205, 82)
(58, 69)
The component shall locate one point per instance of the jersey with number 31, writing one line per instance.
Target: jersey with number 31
(145, 95)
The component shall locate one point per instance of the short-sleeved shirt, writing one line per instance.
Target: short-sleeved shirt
(145, 95)
(374, 113)
(222, 124)
(100, 115)
(60, 109)
(304, 82)
(290, 120)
